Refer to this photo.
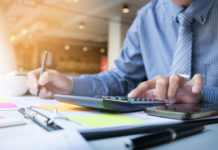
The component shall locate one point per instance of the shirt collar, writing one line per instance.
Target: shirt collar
(174, 9)
(199, 9)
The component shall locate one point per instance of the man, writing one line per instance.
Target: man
(169, 42)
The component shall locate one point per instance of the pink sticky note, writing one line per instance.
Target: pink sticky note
(8, 105)
(1, 117)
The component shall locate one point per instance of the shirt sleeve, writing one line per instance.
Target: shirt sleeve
(210, 95)
(129, 70)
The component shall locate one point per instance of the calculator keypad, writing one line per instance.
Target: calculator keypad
(123, 99)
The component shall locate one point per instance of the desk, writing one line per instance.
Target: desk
(203, 141)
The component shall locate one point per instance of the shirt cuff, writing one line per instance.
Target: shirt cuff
(79, 85)
(210, 95)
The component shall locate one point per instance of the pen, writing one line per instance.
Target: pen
(45, 54)
(164, 136)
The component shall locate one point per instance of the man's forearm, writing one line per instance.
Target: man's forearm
(105, 83)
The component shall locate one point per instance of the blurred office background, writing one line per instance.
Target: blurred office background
(82, 36)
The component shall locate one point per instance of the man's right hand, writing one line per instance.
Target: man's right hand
(51, 82)
(172, 88)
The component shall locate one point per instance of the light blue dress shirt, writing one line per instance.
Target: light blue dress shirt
(149, 47)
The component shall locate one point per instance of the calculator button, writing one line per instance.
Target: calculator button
(105, 96)
(113, 97)
(131, 99)
(97, 96)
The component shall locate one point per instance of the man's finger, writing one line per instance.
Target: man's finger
(151, 94)
(174, 85)
(144, 86)
(45, 93)
(47, 77)
(197, 83)
(32, 91)
(33, 77)
(161, 87)
(42, 93)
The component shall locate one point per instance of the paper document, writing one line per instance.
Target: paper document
(3, 100)
(56, 140)
(7, 106)
(8, 122)
(89, 120)
(64, 108)
(27, 101)
(98, 122)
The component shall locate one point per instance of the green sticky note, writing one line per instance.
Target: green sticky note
(3, 100)
(104, 120)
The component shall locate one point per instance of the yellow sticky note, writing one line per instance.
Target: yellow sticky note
(104, 120)
(3, 100)
(62, 108)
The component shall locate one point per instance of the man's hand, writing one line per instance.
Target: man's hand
(172, 89)
(51, 82)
